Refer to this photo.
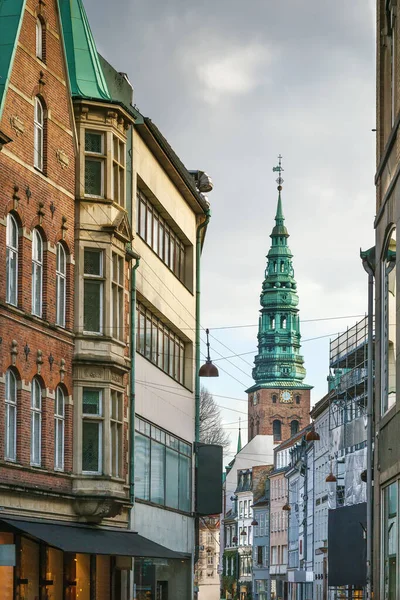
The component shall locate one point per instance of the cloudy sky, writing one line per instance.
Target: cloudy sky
(232, 84)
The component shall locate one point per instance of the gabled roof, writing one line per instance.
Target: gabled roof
(85, 73)
(11, 12)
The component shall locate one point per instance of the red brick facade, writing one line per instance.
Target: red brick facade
(33, 346)
(269, 407)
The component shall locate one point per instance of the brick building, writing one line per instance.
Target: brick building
(78, 167)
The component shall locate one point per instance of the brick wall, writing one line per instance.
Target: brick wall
(44, 200)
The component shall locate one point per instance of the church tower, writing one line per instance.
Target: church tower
(279, 400)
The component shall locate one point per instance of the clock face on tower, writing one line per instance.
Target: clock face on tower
(286, 397)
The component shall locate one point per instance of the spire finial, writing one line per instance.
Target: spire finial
(239, 444)
(279, 169)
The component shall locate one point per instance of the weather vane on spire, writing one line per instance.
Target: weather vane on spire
(279, 170)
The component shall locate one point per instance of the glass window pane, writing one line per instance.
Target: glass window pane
(141, 333)
(92, 318)
(93, 262)
(160, 347)
(143, 210)
(142, 467)
(149, 234)
(148, 338)
(155, 234)
(161, 242)
(93, 176)
(154, 340)
(91, 446)
(184, 483)
(157, 472)
(91, 404)
(172, 478)
(93, 142)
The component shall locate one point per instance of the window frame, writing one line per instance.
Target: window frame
(119, 196)
(11, 406)
(13, 253)
(97, 418)
(101, 280)
(61, 276)
(116, 440)
(100, 157)
(388, 266)
(40, 39)
(59, 425)
(38, 134)
(37, 272)
(117, 296)
(36, 423)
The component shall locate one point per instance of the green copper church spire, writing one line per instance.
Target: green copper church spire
(279, 363)
(239, 442)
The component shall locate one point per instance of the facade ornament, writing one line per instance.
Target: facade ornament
(52, 208)
(39, 361)
(51, 361)
(40, 212)
(28, 193)
(17, 125)
(26, 351)
(14, 352)
(62, 158)
(16, 198)
(63, 370)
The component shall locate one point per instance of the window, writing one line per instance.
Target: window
(38, 130)
(59, 420)
(283, 323)
(156, 232)
(241, 508)
(159, 344)
(10, 450)
(210, 558)
(284, 554)
(274, 398)
(94, 164)
(61, 279)
(37, 273)
(294, 427)
(163, 468)
(40, 40)
(388, 315)
(119, 170)
(272, 323)
(92, 431)
(390, 542)
(297, 399)
(36, 423)
(259, 555)
(277, 430)
(93, 291)
(117, 296)
(116, 418)
(12, 261)
(274, 555)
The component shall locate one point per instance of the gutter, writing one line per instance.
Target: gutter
(132, 254)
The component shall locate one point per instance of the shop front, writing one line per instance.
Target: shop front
(48, 560)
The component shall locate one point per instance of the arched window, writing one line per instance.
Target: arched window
(294, 427)
(297, 399)
(59, 424)
(61, 280)
(38, 127)
(277, 430)
(274, 399)
(282, 266)
(37, 273)
(272, 322)
(10, 450)
(36, 423)
(40, 39)
(12, 261)
(283, 322)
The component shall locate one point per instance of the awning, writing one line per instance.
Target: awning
(90, 539)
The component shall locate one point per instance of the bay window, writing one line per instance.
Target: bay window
(92, 431)
(93, 291)
(116, 419)
(119, 171)
(37, 273)
(163, 471)
(10, 451)
(36, 423)
(12, 260)
(94, 163)
(61, 280)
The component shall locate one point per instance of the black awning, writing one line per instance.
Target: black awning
(89, 539)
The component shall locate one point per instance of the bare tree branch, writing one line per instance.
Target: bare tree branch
(211, 430)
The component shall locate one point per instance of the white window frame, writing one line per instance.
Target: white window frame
(99, 419)
(100, 279)
(36, 422)
(61, 284)
(96, 156)
(39, 39)
(37, 272)
(38, 128)
(59, 429)
(10, 453)
(12, 252)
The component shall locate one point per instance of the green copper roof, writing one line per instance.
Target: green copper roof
(85, 73)
(239, 442)
(11, 13)
(279, 363)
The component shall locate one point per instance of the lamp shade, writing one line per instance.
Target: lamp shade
(286, 506)
(312, 436)
(331, 478)
(254, 523)
(208, 370)
(234, 539)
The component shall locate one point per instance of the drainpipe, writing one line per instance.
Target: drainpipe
(197, 362)
(368, 260)
(132, 254)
